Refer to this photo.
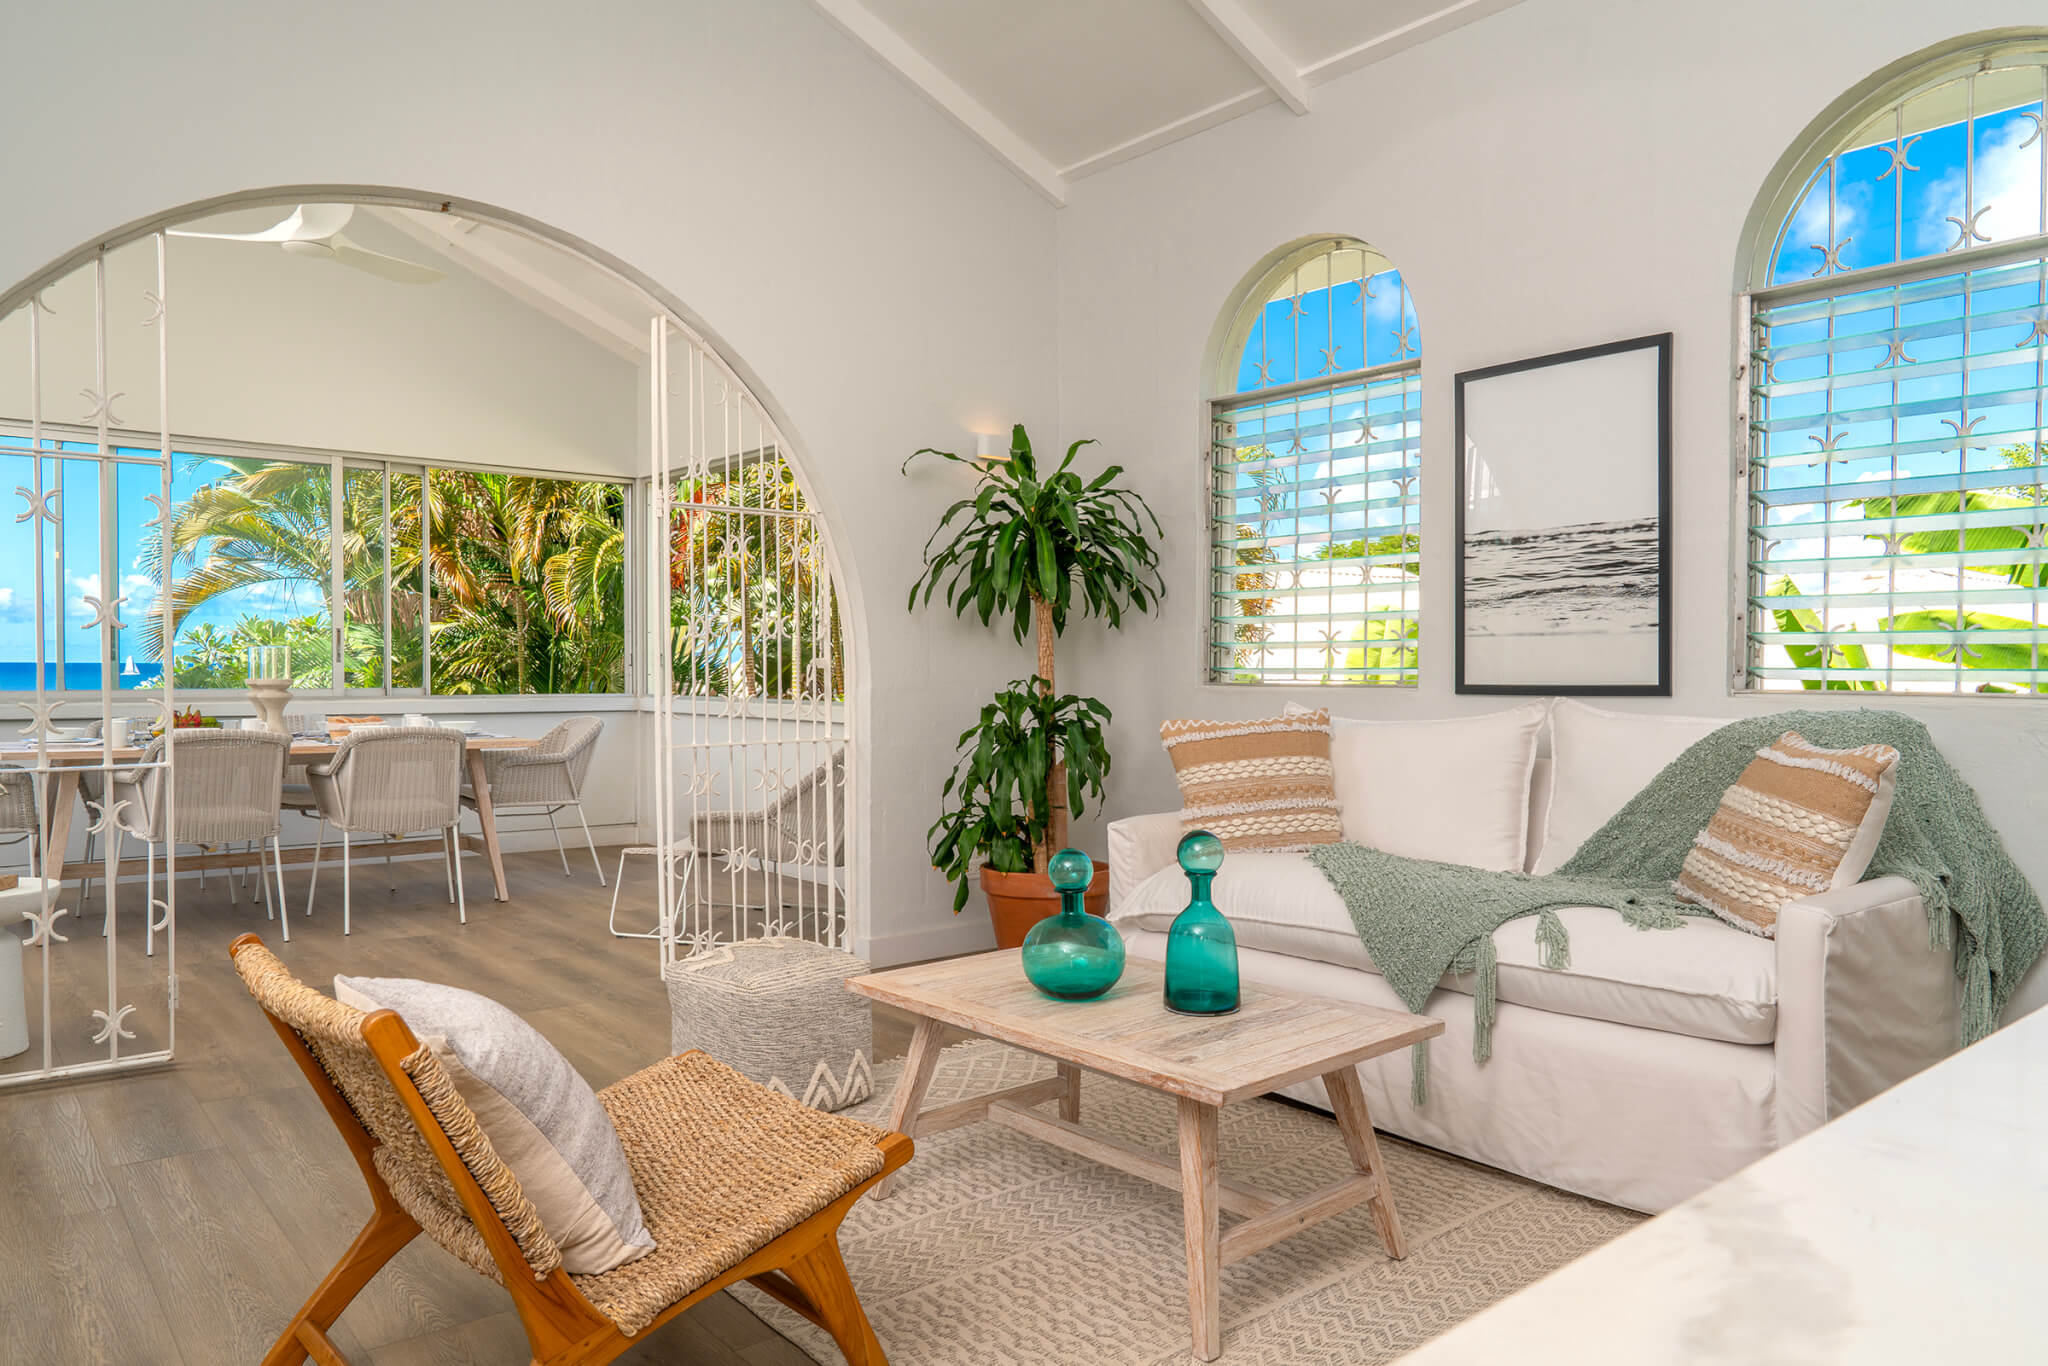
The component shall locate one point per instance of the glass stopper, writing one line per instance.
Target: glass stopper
(1070, 870)
(1199, 852)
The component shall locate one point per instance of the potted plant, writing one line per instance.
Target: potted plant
(1033, 548)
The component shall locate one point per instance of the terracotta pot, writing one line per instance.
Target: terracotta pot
(1017, 901)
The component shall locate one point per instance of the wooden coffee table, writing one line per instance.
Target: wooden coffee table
(1275, 1039)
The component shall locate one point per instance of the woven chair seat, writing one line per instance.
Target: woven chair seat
(722, 1167)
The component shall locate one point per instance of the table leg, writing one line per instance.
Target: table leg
(1199, 1212)
(1347, 1103)
(487, 818)
(910, 1089)
(60, 795)
(1070, 1099)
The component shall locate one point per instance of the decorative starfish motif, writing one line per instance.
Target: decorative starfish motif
(1365, 286)
(1963, 431)
(41, 716)
(1294, 308)
(2039, 334)
(162, 506)
(1830, 257)
(771, 780)
(108, 817)
(110, 1025)
(1895, 354)
(1899, 155)
(1954, 653)
(1827, 446)
(1265, 371)
(160, 922)
(38, 506)
(736, 860)
(703, 784)
(2036, 536)
(156, 307)
(1966, 229)
(101, 408)
(700, 942)
(1329, 358)
(1404, 340)
(38, 301)
(2034, 136)
(42, 927)
(105, 613)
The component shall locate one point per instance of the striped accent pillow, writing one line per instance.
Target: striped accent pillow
(1257, 784)
(1800, 820)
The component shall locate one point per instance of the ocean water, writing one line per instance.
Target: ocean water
(1593, 579)
(19, 675)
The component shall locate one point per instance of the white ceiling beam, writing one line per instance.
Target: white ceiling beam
(451, 236)
(1256, 49)
(861, 24)
(1223, 111)
(1415, 31)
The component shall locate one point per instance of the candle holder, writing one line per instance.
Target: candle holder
(270, 684)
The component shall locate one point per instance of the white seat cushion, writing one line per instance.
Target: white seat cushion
(1706, 979)
(1599, 759)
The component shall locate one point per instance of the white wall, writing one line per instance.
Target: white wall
(1565, 173)
(269, 347)
(883, 279)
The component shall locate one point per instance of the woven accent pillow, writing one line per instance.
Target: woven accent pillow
(542, 1118)
(1800, 820)
(1257, 784)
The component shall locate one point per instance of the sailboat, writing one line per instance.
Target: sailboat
(128, 670)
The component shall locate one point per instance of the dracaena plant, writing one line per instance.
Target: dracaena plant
(1000, 797)
(1034, 547)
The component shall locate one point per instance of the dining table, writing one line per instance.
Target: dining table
(70, 760)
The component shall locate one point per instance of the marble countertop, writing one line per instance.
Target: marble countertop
(1912, 1230)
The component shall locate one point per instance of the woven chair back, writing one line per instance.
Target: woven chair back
(227, 785)
(333, 1034)
(17, 803)
(398, 780)
(574, 741)
(800, 823)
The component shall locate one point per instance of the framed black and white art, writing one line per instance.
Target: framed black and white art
(1563, 564)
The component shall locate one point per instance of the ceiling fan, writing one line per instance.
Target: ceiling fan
(315, 230)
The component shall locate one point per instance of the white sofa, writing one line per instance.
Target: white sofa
(1657, 1062)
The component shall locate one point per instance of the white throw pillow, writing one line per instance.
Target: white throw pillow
(541, 1116)
(1598, 760)
(1454, 790)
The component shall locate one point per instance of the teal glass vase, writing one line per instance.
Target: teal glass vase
(1073, 955)
(1201, 948)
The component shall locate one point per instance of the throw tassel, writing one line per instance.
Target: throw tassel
(1977, 1017)
(1484, 987)
(1553, 945)
(1418, 1073)
(1636, 915)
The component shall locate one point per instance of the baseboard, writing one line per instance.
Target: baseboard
(966, 934)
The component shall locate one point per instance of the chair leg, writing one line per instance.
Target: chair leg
(108, 892)
(85, 881)
(592, 843)
(319, 838)
(389, 876)
(284, 916)
(381, 1239)
(461, 906)
(564, 853)
(344, 880)
(821, 1275)
(618, 881)
(149, 900)
(450, 852)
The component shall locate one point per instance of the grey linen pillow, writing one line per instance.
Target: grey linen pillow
(542, 1118)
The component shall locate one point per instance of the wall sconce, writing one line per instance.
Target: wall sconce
(988, 450)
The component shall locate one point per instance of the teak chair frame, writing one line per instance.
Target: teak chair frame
(802, 1268)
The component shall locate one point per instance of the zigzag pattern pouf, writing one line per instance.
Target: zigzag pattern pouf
(777, 1011)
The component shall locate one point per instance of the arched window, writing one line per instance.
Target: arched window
(1897, 308)
(1315, 453)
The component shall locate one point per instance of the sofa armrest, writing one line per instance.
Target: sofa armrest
(1139, 846)
(1864, 1001)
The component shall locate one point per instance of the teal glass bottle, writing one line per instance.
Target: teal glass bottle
(1073, 955)
(1201, 948)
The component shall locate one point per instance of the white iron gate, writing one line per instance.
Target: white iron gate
(753, 736)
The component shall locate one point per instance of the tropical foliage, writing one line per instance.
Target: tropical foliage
(2021, 573)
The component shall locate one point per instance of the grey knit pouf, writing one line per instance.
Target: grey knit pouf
(778, 1011)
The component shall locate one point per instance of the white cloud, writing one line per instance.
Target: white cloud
(2008, 192)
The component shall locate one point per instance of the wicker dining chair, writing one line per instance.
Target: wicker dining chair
(395, 780)
(224, 787)
(548, 776)
(806, 827)
(735, 1183)
(18, 816)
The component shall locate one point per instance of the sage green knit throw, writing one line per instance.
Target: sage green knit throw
(1422, 920)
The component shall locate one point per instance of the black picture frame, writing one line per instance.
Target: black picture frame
(1585, 598)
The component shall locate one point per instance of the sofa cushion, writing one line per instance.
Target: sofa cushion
(1704, 979)
(1261, 784)
(1454, 790)
(1598, 760)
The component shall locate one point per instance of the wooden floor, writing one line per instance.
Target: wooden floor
(181, 1216)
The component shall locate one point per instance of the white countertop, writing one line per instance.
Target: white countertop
(1913, 1230)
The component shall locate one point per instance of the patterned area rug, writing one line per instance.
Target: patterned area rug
(995, 1248)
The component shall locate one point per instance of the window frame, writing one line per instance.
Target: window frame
(338, 462)
(1770, 221)
(1229, 341)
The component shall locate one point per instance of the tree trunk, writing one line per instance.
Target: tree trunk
(1056, 784)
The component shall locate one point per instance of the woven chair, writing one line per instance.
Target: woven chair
(549, 776)
(18, 816)
(395, 780)
(735, 1183)
(798, 829)
(224, 786)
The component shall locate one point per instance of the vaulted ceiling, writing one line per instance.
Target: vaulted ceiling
(1060, 89)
